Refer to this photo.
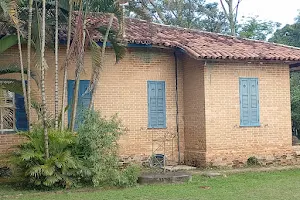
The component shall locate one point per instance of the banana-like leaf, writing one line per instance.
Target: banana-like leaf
(7, 41)
(13, 68)
(12, 85)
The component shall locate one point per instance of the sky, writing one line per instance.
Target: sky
(282, 11)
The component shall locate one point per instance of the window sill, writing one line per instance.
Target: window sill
(250, 126)
(6, 132)
(155, 128)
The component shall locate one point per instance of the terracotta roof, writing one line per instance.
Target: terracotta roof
(200, 44)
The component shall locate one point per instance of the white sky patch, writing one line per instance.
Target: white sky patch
(280, 11)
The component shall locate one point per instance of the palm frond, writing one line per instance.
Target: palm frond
(97, 65)
(118, 47)
(14, 68)
(13, 12)
(51, 180)
(30, 154)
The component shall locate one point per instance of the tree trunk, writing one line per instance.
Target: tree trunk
(80, 65)
(231, 17)
(46, 139)
(66, 67)
(96, 74)
(56, 66)
(13, 13)
(22, 69)
(29, 65)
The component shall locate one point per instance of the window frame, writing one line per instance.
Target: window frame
(258, 103)
(10, 106)
(149, 126)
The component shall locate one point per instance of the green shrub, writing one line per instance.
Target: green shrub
(62, 169)
(88, 157)
(128, 177)
(97, 147)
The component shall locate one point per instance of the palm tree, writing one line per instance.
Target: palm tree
(96, 71)
(29, 63)
(13, 15)
(43, 41)
(98, 53)
(56, 65)
(71, 3)
(80, 43)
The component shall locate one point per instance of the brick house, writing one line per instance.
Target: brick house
(217, 99)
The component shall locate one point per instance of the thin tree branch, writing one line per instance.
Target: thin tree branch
(224, 9)
(158, 11)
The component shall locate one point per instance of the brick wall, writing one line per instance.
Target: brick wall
(194, 112)
(123, 90)
(229, 144)
(208, 106)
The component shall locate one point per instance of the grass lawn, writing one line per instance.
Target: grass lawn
(260, 185)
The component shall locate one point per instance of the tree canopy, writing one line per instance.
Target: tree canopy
(194, 14)
(289, 34)
(254, 28)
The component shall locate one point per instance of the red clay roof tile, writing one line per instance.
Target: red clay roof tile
(198, 44)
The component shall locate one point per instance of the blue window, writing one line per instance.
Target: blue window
(249, 102)
(20, 113)
(156, 104)
(84, 98)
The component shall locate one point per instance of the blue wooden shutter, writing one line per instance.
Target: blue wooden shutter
(249, 102)
(20, 114)
(254, 102)
(70, 96)
(156, 104)
(83, 98)
(244, 102)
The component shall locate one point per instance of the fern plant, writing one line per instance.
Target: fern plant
(62, 169)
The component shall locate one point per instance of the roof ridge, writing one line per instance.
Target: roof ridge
(214, 33)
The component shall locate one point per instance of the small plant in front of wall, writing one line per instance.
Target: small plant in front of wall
(253, 161)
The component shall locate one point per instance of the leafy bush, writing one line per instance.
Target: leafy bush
(61, 169)
(87, 157)
(128, 177)
(97, 147)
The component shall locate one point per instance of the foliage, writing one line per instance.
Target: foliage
(288, 35)
(196, 14)
(214, 19)
(62, 169)
(295, 99)
(97, 148)
(254, 28)
(7, 41)
(128, 177)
